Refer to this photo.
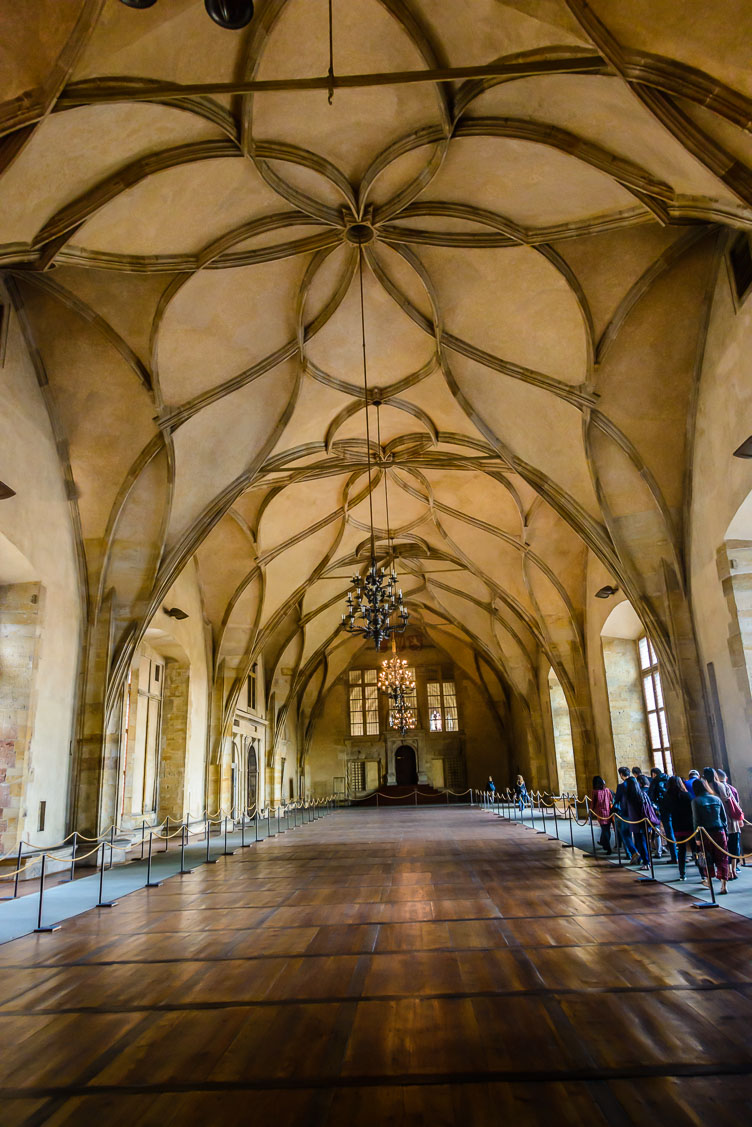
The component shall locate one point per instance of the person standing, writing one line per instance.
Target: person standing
(729, 796)
(491, 787)
(520, 793)
(637, 815)
(623, 829)
(678, 805)
(601, 806)
(657, 795)
(709, 815)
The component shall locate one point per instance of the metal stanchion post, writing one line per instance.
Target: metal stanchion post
(149, 882)
(532, 815)
(570, 843)
(713, 902)
(73, 856)
(167, 833)
(279, 822)
(255, 822)
(227, 852)
(209, 859)
(242, 828)
(183, 840)
(39, 927)
(17, 875)
(103, 903)
(618, 840)
(112, 844)
(592, 834)
(143, 834)
(542, 808)
(651, 878)
(268, 821)
(556, 818)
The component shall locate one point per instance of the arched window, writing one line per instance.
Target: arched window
(655, 709)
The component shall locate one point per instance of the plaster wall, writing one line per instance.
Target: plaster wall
(720, 483)
(37, 524)
(625, 698)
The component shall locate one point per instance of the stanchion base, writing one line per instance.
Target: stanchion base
(245, 845)
(8, 897)
(211, 860)
(646, 880)
(228, 853)
(56, 927)
(107, 904)
(565, 846)
(542, 832)
(153, 884)
(185, 872)
(703, 905)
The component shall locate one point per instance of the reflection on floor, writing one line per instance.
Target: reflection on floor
(384, 967)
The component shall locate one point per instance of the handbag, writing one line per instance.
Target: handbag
(733, 809)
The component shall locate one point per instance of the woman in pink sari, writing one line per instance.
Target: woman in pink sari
(601, 807)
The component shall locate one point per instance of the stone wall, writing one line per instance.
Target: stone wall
(20, 614)
(625, 699)
(174, 740)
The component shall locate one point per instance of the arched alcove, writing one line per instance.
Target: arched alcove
(562, 728)
(619, 636)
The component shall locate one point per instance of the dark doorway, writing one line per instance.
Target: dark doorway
(405, 770)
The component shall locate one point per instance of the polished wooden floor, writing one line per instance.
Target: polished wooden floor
(384, 967)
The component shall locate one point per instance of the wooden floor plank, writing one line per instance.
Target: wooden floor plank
(380, 967)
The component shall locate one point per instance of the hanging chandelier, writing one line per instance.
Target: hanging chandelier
(375, 607)
(394, 677)
(400, 716)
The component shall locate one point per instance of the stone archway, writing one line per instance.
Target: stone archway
(405, 765)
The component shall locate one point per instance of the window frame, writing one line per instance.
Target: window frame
(442, 705)
(363, 701)
(654, 705)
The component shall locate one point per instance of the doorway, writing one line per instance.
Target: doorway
(405, 768)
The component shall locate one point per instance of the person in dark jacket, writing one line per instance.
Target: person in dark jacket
(636, 814)
(708, 813)
(623, 829)
(657, 795)
(678, 806)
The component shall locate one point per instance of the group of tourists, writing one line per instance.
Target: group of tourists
(657, 814)
(652, 815)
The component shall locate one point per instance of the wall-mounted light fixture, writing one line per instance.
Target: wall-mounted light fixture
(607, 591)
(6, 491)
(175, 612)
(745, 450)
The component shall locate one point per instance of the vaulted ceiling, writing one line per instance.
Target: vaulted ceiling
(537, 247)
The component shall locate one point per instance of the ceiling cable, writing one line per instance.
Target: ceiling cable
(365, 388)
(330, 73)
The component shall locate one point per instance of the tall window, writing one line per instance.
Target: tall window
(442, 706)
(364, 703)
(252, 676)
(411, 699)
(652, 691)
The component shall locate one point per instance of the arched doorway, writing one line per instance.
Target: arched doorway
(405, 768)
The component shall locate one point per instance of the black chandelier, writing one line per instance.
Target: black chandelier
(375, 597)
(230, 14)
